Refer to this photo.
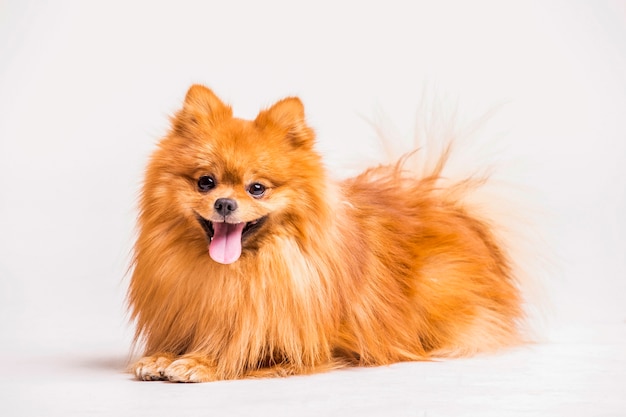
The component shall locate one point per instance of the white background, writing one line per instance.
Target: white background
(86, 89)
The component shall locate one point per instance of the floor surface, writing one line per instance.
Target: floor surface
(582, 373)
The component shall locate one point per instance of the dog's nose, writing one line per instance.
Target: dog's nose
(225, 206)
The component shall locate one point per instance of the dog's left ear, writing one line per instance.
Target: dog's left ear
(288, 116)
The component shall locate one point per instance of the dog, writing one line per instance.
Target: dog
(250, 261)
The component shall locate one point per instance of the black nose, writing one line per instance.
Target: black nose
(225, 206)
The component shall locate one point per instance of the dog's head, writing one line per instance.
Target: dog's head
(235, 180)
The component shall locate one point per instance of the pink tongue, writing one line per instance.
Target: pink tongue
(225, 247)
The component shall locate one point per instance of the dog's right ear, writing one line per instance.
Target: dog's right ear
(202, 100)
(201, 106)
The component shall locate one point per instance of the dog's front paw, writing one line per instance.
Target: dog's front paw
(190, 368)
(152, 368)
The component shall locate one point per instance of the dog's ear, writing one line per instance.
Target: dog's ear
(288, 116)
(201, 106)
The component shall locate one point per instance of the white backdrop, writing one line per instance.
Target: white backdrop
(86, 89)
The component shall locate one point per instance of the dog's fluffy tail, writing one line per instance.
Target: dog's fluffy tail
(473, 169)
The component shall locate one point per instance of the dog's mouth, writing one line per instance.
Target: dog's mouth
(226, 239)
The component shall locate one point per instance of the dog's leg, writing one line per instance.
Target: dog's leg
(152, 368)
(191, 368)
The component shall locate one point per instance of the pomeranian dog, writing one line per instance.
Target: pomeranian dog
(251, 262)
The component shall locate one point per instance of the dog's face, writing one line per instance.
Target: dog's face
(237, 187)
(237, 179)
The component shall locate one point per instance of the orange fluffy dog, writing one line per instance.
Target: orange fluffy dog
(301, 273)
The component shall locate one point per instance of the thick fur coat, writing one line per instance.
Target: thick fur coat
(250, 261)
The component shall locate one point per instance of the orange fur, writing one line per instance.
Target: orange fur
(376, 269)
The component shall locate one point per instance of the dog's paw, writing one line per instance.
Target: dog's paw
(190, 369)
(152, 368)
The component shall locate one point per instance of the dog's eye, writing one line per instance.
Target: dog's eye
(256, 189)
(206, 183)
